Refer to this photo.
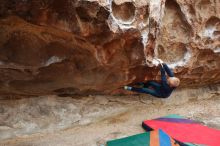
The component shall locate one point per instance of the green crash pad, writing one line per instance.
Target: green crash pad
(153, 138)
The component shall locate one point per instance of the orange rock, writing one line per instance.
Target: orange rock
(84, 47)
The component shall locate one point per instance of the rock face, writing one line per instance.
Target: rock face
(97, 46)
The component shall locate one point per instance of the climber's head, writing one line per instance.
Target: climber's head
(173, 81)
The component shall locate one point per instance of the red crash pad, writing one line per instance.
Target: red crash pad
(185, 130)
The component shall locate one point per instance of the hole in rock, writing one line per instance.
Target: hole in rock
(173, 53)
(212, 27)
(204, 3)
(124, 12)
(213, 21)
(175, 23)
(216, 33)
(160, 49)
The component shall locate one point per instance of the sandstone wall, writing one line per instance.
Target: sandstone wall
(97, 46)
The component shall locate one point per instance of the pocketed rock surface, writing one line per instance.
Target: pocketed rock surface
(97, 46)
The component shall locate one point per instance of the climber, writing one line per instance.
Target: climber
(160, 90)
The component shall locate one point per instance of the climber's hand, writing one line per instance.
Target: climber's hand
(127, 87)
(161, 65)
(155, 62)
(160, 61)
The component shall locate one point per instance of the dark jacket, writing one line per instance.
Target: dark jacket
(166, 90)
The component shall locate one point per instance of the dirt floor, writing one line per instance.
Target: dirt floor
(92, 120)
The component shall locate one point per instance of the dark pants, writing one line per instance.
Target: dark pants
(150, 87)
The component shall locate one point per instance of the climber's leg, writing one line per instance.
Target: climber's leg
(153, 84)
(140, 84)
(145, 90)
(148, 84)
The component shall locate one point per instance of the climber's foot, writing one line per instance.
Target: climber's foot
(127, 88)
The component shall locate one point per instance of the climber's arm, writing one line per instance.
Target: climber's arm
(168, 70)
(163, 78)
(163, 74)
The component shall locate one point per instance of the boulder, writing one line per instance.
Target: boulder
(98, 46)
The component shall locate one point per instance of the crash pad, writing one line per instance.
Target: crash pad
(152, 138)
(185, 130)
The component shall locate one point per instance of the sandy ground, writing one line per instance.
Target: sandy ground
(91, 121)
